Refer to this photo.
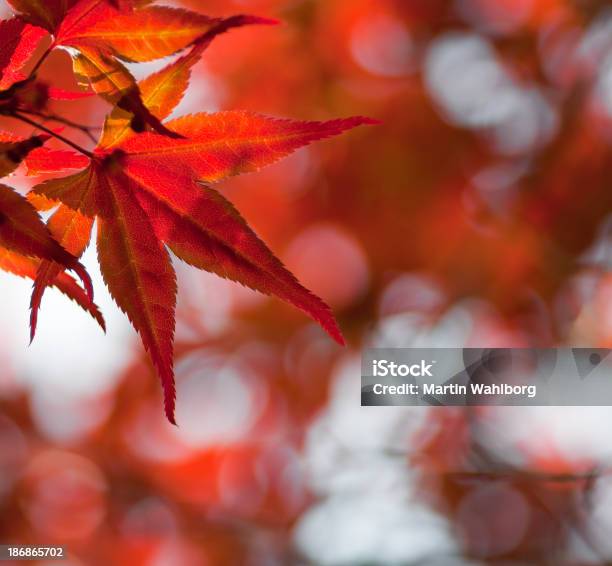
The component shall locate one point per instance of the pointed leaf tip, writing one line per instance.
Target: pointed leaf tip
(80, 270)
(366, 121)
(169, 410)
(338, 337)
(67, 285)
(257, 20)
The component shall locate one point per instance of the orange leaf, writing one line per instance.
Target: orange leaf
(113, 82)
(78, 192)
(162, 91)
(143, 35)
(14, 150)
(22, 231)
(18, 41)
(38, 159)
(228, 143)
(85, 14)
(73, 231)
(43, 161)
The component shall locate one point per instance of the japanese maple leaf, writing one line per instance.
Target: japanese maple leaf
(163, 91)
(148, 193)
(18, 41)
(102, 33)
(25, 241)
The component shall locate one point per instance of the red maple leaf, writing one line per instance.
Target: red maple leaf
(147, 182)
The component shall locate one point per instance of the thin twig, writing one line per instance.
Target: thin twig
(73, 145)
(60, 120)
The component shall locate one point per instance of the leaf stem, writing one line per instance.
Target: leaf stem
(73, 145)
(55, 118)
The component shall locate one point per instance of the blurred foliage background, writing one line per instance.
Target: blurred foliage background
(477, 214)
